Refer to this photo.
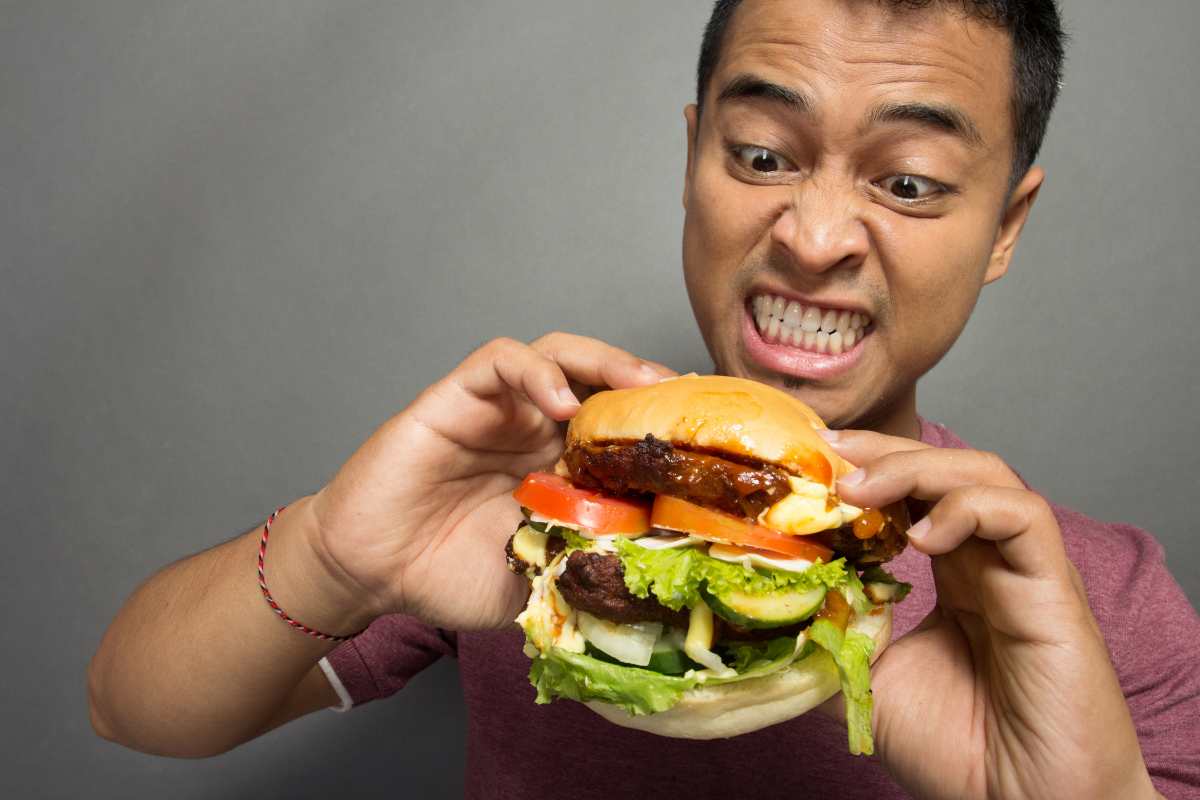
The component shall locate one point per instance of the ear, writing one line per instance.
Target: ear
(692, 114)
(1019, 204)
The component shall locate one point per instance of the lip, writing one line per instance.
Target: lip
(834, 304)
(793, 361)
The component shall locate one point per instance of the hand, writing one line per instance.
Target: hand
(1006, 688)
(416, 520)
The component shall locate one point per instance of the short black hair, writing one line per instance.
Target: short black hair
(1038, 45)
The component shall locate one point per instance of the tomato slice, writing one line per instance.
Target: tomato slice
(680, 515)
(554, 497)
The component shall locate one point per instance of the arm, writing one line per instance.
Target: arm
(197, 663)
(158, 683)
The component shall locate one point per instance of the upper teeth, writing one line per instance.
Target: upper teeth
(822, 330)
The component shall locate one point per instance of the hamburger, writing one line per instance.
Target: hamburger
(692, 571)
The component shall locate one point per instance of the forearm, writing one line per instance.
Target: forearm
(196, 662)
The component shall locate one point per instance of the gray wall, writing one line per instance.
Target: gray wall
(235, 237)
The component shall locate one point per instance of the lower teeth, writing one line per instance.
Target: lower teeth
(774, 332)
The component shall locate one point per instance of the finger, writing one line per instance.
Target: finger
(928, 473)
(595, 363)
(1018, 521)
(506, 364)
(859, 447)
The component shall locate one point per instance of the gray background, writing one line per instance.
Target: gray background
(235, 237)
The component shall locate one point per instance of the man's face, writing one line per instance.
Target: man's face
(847, 197)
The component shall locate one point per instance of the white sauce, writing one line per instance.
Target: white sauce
(667, 541)
(736, 555)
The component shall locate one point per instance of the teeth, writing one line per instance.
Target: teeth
(821, 330)
(791, 317)
(835, 342)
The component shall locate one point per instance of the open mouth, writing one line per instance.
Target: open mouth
(813, 328)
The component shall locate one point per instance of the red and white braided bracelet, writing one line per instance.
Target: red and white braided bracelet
(262, 583)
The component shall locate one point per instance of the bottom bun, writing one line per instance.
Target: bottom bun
(731, 709)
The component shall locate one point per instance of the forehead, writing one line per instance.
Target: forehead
(850, 53)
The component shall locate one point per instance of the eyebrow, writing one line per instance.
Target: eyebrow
(749, 86)
(945, 118)
(938, 117)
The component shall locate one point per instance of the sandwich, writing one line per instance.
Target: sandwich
(692, 571)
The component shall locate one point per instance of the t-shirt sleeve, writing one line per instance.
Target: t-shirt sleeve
(1153, 635)
(381, 660)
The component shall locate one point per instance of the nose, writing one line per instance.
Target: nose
(820, 228)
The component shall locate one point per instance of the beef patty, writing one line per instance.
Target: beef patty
(652, 466)
(881, 547)
(595, 583)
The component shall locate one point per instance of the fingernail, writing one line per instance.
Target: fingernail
(649, 372)
(828, 435)
(567, 397)
(920, 530)
(854, 478)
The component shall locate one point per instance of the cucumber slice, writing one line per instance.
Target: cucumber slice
(671, 662)
(765, 611)
(664, 662)
(545, 527)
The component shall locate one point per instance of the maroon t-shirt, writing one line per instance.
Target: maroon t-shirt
(521, 750)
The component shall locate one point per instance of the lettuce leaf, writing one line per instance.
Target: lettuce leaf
(674, 575)
(574, 540)
(558, 673)
(744, 657)
(851, 653)
(855, 595)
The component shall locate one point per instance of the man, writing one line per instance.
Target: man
(863, 165)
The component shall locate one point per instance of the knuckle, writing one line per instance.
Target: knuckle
(961, 498)
(1038, 506)
(551, 341)
(501, 345)
(887, 464)
(994, 464)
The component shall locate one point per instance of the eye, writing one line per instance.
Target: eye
(761, 160)
(910, 188)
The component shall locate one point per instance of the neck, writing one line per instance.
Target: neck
(897, 419)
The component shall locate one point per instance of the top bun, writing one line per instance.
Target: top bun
(714, 413)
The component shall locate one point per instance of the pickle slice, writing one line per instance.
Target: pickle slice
(765, 611)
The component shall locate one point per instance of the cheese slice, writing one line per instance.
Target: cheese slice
(808, 509)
